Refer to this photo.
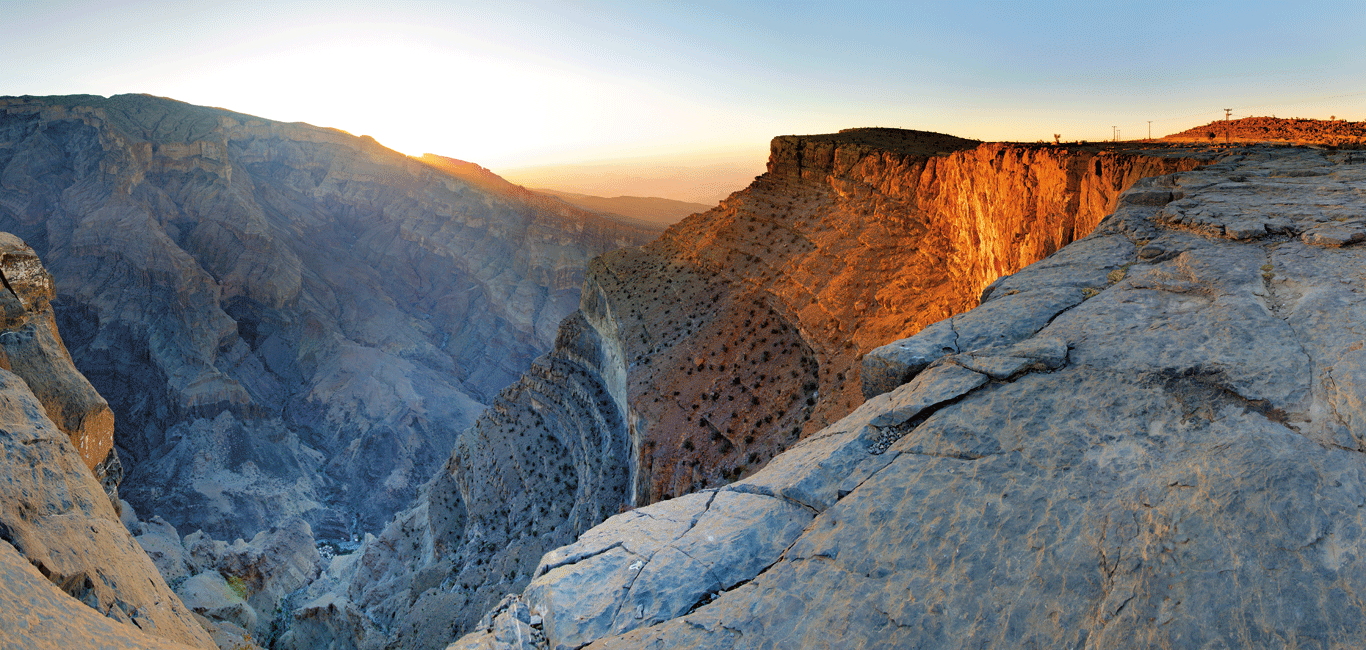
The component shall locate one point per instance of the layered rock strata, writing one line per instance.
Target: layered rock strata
(58, 525)
(31, 348)
(696, 359)
(287, 320)
(1149, 439)
(39, 616)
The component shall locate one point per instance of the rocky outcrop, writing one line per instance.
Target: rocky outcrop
(31, 348)
(286, 320)
(39, 616)
(237, 589)
(695, 360)
(1171, 460)
(57, 524)
(1270, 129)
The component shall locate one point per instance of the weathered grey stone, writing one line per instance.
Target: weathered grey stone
(39, 616)
(896, 363)
(1038, 353)
(212, 596)
(162, 544)
(1245, 229)
(266, 570)
(930, 388)
(1189, 474)
(1146, 197)
(328, 621)
(1335, 235)
(677, 554)
(348, 308)
(54, 513)
(228, 635)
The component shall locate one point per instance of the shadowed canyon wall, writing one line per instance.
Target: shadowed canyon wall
(286, 320)
(70, 573)
(1150, 439)
(696, 359)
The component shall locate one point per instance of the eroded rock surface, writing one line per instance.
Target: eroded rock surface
(287, 320)
(39, 616)
(695, 360)
(31, 348)
(57, 517)
(1174, 461)
(57, 512)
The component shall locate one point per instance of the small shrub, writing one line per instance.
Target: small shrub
(237, 584)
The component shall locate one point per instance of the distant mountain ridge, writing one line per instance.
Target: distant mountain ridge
(649, 208)
(482, 177)
(285, 319)
(697, 178)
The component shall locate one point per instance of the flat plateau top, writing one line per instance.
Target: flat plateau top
(904, 141)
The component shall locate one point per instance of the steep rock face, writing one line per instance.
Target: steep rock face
(696, 359)
(1174, 460)
(39, 616)
(287, 320)
(850, 241)
(54, 514)
(31, 348)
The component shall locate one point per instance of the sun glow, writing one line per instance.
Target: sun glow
(525, 83)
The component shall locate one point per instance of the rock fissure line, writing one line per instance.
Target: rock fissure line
(764, 491)
(1332, 405)
(575, 559)
(626, 591)
(899, 431)
(9, 288)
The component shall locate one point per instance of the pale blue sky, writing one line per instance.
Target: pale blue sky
(510, 84)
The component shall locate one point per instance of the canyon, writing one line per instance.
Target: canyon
(697, 359)
(904, 390)
(1171, 456)
(285, 320)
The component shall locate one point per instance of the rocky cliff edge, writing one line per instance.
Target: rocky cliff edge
(287, 320)
(64, 554)
(695, 360)
(1151, 438)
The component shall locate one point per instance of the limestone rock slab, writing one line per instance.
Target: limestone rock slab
(39, 616)
(58, 517)
(676, 555)
(1184, 470)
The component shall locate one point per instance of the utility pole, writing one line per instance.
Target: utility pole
(1114, 134)
(1227, 112)
(1150, 130)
